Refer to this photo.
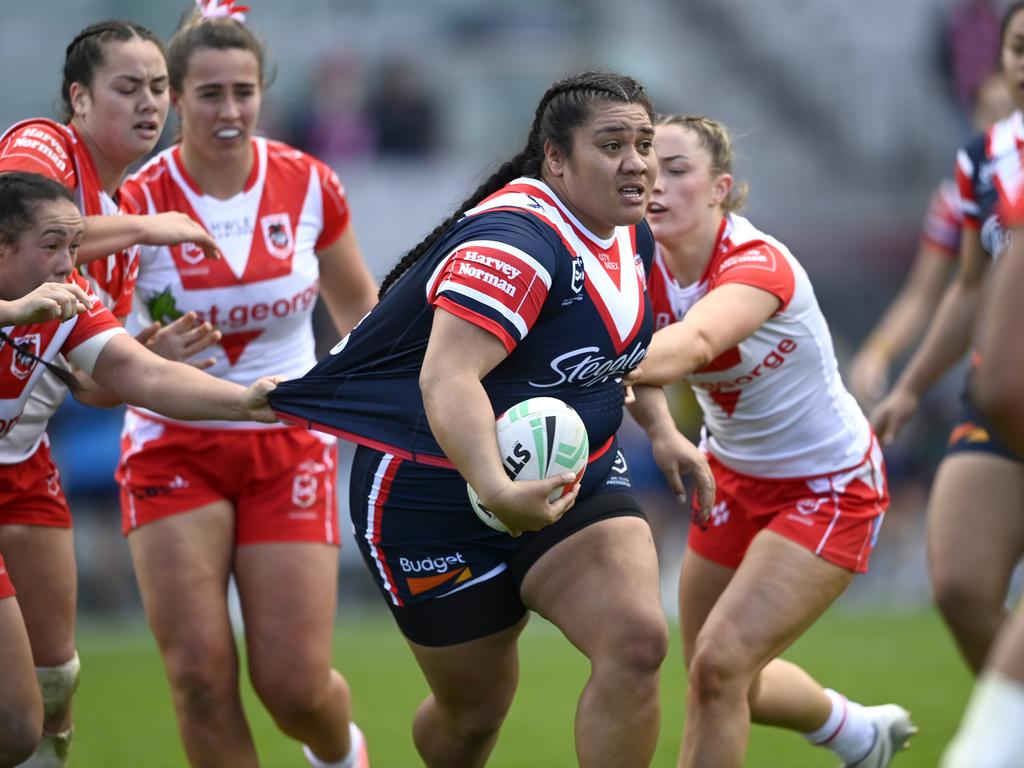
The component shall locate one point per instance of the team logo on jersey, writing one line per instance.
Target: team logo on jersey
(305, 483)
(277, 235)
(191, 253)
(22, 364)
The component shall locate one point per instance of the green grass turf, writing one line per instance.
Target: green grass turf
(124, 718)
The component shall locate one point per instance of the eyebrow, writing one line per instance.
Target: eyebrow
(673, 157)
(137, 79)
(619, 128)
(60, 231)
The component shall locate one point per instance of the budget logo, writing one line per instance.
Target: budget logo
(22, 364)
(277, 235)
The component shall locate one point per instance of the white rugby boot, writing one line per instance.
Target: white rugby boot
(893, 729)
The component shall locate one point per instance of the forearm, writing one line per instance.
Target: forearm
(909, 312)
(106, 235)
(650, 409)
(674, 352)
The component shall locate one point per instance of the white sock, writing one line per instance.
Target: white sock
(990, 734)
(349, 761)
(848, 732)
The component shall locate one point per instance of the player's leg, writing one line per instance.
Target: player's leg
(182, 563)
(21, 706)
(975, 539)
(600, 586)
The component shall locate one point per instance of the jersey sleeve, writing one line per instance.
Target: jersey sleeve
(38, 147)
(93, 329)
(964, 175)
(759, 265)
(943, 220)
(496, 278)
(335, 206)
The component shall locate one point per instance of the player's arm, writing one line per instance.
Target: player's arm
(944, 344)
(47, 302)
(997, 386)
(459, 355)
(132, 373)
(346, 285)
(902, 322)
(718, 322)
(673, 453)
(105, 235)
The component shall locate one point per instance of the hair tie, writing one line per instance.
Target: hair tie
(222, 9)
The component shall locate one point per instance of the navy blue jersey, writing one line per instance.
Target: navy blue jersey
(988, 176)
(570, 308)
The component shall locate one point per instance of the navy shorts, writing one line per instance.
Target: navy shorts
(448, 577)
(973, 434)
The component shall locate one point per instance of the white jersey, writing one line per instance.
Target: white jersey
(774, 406)
(261, 294)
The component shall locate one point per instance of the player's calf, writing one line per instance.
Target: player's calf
(58, 685)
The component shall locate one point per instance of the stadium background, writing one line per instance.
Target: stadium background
(845, 115)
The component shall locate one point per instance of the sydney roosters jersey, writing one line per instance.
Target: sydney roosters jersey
(80, 339)
(988, 175)
(570, 308)
(774, 405)
(261, 294)
(943, 220)
(57, 151)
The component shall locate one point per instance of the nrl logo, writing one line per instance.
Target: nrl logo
(277, 235)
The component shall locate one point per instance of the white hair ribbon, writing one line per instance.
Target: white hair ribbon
(222, 9)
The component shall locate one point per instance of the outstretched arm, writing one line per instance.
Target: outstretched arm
(105, 235)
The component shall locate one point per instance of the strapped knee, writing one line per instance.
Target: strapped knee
(58, 684)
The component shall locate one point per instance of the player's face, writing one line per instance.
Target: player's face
(606, 179)
(1013, 57)
(688, 192)
(45, 252)
(123, 113)
(220, 104)
(993, 103)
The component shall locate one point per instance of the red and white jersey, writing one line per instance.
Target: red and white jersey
(57, 151)
(774, 405)
(80, 339)
(943, 220)
(261, 294)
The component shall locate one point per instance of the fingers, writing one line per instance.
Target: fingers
(563, 504)
(209, 248)
(202, 365)
(80, 294)
(705, 480)
(146, 334)
(630, 398)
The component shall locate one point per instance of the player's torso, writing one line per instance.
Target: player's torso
(261, 294)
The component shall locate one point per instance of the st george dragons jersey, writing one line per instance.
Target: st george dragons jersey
(571, 309)
(943, 220)
(988, 175)
(261, 294)
(80, 339)
(774, 405)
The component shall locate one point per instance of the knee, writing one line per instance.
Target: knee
(200, 678)
(292, 693)
(719, 668)
(19, 736)
(474, 721)
(960, 598)
(636, 648)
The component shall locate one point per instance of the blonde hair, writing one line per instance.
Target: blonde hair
(714, 137)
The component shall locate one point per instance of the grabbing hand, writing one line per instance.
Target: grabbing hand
(181, 339)
(47, 302)
(523, 505)
(676, 456)
(892, 414)
(174, 228)
(255, 402)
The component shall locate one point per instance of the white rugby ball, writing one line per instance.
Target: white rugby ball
(538, 438)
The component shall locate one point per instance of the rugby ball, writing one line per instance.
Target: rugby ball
(538, 438)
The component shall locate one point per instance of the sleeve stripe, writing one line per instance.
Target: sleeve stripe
(481, 321)
(471, 293)
(87, 353)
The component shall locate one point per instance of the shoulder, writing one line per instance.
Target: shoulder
(133, 189)
(41, 146)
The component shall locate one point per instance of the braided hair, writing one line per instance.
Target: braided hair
(85, 54)
(565, 106)
(21, 194)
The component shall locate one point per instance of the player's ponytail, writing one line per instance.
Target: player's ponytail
(565, 106)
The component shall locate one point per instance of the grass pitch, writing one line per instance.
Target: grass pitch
(123, 712)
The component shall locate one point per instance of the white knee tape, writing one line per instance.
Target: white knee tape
(52, 751)
(58, 684)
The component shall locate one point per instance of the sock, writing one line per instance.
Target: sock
(350, 761)
(848, 731)
(990, 735)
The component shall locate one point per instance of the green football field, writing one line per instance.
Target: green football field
(123, 712)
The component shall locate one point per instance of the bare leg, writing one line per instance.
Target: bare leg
(289, 596)
(601, 588)
(975, 539)
(21, 706)
(472, 685)
(182, 565)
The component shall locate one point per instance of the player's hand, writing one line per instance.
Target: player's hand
(50, 301)
(523, 505)
(175, 228)
(677, 457)
(182, 339)
(255, 402)
(890, 415)
(869, 376)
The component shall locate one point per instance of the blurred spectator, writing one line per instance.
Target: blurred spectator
(335, 127)
(971, 46)
(404, 111)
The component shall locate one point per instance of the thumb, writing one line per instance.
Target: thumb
(146, 334)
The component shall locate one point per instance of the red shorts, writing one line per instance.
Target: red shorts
(837, 516)
(6, 588)
(281, 482)
(31, 494)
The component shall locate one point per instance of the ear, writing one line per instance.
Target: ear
(79, 97)
(555, 159)
(175, 98)
(720, 190)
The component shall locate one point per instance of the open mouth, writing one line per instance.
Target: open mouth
(228, 133)
(632, 192)
(653, 207)
(147, 126)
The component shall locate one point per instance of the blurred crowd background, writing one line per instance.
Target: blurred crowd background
(845, 116)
